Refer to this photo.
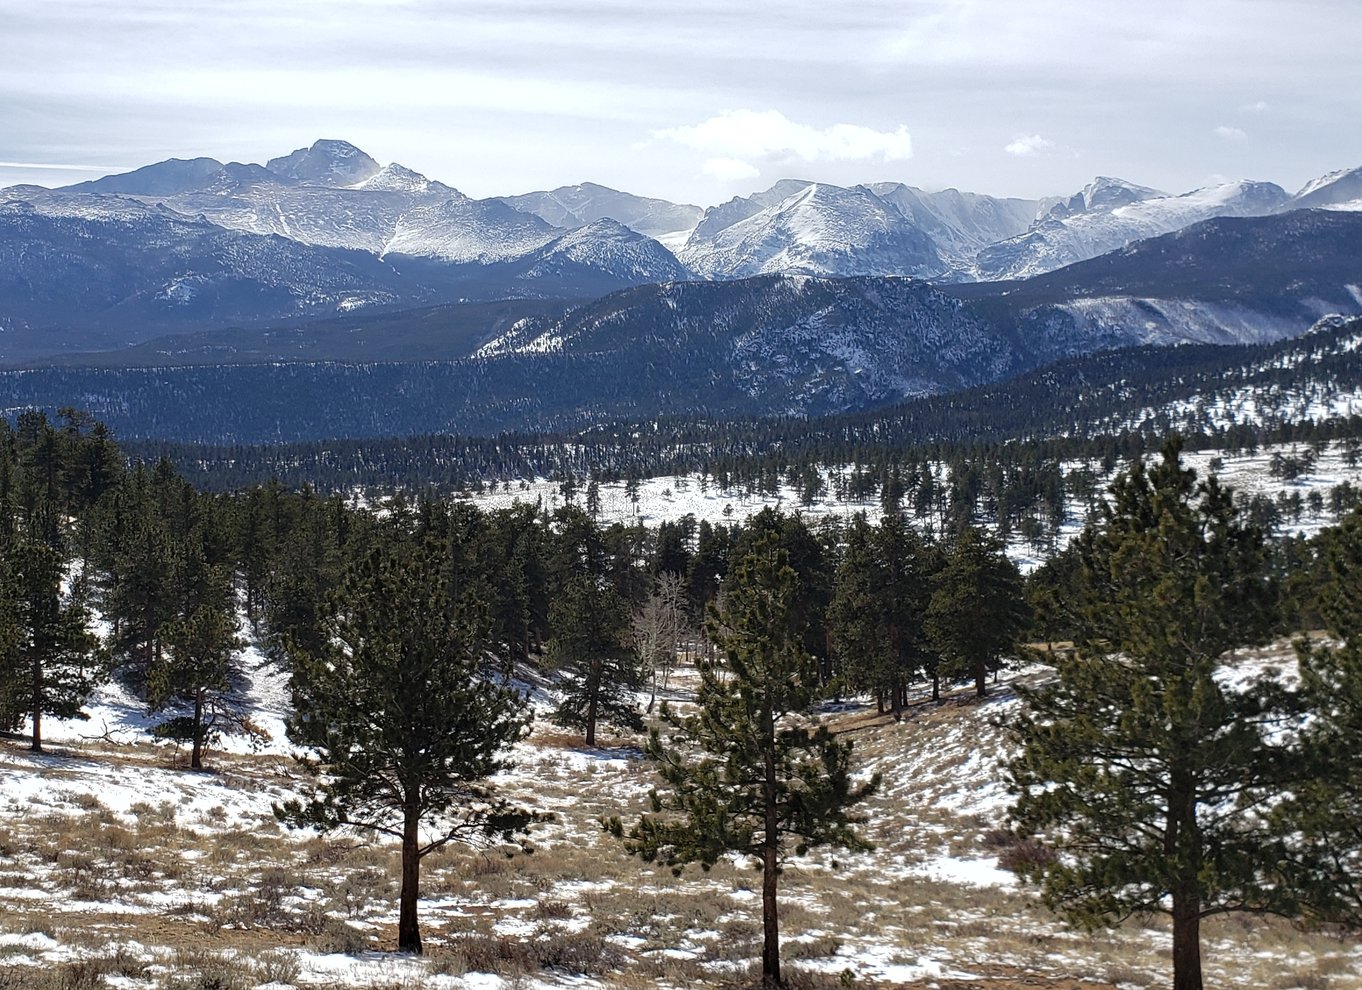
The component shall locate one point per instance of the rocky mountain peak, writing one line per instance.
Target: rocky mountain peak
(326, 163)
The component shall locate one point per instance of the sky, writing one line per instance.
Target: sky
(695, 102)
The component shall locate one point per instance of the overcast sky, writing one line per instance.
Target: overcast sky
(693, 102)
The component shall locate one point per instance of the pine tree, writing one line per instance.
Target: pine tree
(196, 671)
(1144, 772)
(1325, 806)
(11, 637)
(752, 772)
(591, 652)
(855, 619)
(406, 727)
(53, 660)
(978, 608)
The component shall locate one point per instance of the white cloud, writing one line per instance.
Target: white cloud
(729, 169)
(1029, 146)
(1230, 134)
(1258, 107)
(738, 135)
(60, 168)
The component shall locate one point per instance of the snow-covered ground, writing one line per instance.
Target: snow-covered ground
(118, 861)
(115, 858)
(672, 498)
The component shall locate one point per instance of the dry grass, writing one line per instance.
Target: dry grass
(163, 898)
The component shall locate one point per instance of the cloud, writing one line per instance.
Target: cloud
(1029, 147)
(729, 169)
(1258, 107)
(738, 135)
(1230, 134)
(60, 168)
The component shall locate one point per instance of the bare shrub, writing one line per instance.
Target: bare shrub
(1025, 854)
(582, 953)
(276, 966)
(337, 936)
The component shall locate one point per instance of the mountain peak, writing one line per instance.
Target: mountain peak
(395, 178)
(328, 162)
(1337, 190)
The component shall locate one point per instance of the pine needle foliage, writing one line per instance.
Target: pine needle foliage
(1146, 769)
(751, 771)
(406, 728)
(1325, 808)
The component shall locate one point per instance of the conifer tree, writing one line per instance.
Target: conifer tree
(1146, 774)
(591, 652)
(752, 772)
(978, 608)
(854, 615)
(52, 661)
(405, 725)
(1324, 808)
(196, 671)
(11, 673)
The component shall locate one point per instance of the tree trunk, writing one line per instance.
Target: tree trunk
(981, 679)
(196, 755)
(594, 687)
(408, 929)
(770, 917)
(936, 686)
(1186, 941)
(37, 745)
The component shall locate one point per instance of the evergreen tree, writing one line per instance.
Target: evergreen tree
(52, 658)
(978, 608)
(855, 615)
(140, 574)
(196, 671)
(405, 726)
(1325, 805)
(1146, 774)
(12, 701)
(751, 772)
(597, 667)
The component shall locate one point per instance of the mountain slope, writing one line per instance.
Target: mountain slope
(74, 279)
(1227, 280)
(576, 206)
(1336, 191)
(1109, 214)
(817, 230)
(192, 245)
(960, 224)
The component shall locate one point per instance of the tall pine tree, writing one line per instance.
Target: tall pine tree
(405, 725)
(1149, 776)
(591, 652)
(752, 772)
(978, 608)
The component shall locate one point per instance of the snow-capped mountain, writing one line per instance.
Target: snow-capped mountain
(334, 195)
(576, 206)
(206, 244)
(1340, 190)
(83, 272)
(960, 224)
(817, 229)
(1110, 213)
(326, 163)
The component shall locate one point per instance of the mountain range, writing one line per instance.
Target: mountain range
(182, 246)
(766, 345)
(175, 299)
